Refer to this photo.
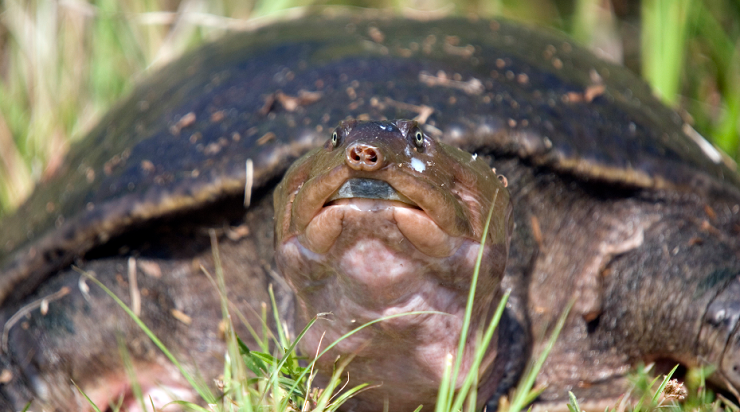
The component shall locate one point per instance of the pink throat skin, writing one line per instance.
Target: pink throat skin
(373, 268)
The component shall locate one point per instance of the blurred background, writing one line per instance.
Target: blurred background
(63, 63)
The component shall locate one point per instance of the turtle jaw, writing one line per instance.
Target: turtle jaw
(359, 195)
(369, 189)
(425, 213)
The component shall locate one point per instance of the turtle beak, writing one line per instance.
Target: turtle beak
(369, 189)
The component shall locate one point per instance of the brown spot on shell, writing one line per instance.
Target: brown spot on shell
(423, 111)
(429, 41)
(404, 52)
(536, 231)
(289, 103)
(217, 116)
(707, 227)
(587, 96)
(212, 149)
(185, 121)
(147, 166)
(711, 214)
(6, 376)
(594, 91)
(351, 93)
(90, 175)
(465, 52)
(265, 138)
(304, 98)
(376, 34)
(472, 86)
(112, 164)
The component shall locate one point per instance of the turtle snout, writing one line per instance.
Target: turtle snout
(364, 157)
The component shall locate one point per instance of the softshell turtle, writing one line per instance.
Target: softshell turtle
(618, 205)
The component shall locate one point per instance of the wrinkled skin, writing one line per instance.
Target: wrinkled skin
(362, 258)
(618, 205)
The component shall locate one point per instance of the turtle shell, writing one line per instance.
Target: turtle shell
(183, 139)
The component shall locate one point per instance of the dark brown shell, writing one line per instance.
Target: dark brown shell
(182, 139)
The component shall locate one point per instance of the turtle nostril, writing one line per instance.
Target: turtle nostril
(364, 157)
(355, 156)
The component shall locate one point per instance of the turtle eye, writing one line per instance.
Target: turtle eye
(419, 139)
(334, 139)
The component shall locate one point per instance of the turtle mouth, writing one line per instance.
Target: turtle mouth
(364, 207)
(368, 189)
(427, 215)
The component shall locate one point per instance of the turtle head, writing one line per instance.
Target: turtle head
(383, 220)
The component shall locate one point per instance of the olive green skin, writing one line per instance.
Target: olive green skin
(615, 204)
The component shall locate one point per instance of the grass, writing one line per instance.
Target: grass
(63, 64)
(279, 383)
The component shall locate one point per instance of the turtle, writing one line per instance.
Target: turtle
(605, 199)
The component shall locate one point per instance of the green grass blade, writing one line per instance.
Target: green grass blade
(469, 304)
(95, 407)
(443, 403)
(130, 372)
(346, 395)
(573, 403)
(235, 367)
(281, 335)
(188, 405)
(352, 332)
(331, 386)
(290, 349)
(235, 309)
(661, 388)
(480, 353)
(664, 27)
(522, 395)
(202, 390)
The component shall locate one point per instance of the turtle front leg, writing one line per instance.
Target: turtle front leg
(719, 339)
(677, 297)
